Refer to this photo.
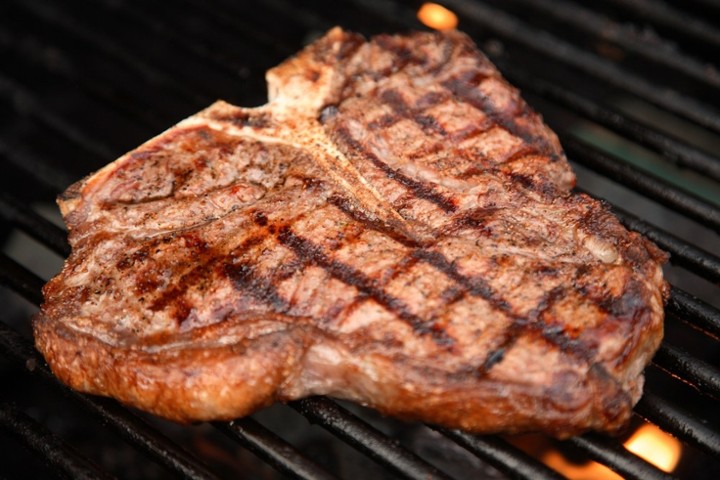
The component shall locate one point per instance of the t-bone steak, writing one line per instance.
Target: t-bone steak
(395, 227)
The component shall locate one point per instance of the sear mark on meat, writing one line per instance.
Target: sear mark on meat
(395, 227)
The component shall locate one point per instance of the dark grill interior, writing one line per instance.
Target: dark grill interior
(631, 87)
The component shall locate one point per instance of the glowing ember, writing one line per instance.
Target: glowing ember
(437, 17)
(655, 446)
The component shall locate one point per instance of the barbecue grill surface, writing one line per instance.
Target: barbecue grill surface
(630, 86)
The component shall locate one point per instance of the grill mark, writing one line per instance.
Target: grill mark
(175, 294)
(286, 270)
(522, 152)
(463, 88)
(346, 206)
(479, 288)
(476, 219)
(447, 55)
(350, 308)
(471, 130)
(430, 99)
(244, 278)
(383, 121)
(400, 54)
(350, 276)
(421, 190)
(475, 286)
(307, 252)
(473, 170)
(519, 325)
(401, 267)
(395, 101)
(525, 181)
(452, 295)
(428, 123)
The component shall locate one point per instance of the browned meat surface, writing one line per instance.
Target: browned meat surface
(395, 227)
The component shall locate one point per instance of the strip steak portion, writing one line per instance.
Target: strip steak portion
(395, 227)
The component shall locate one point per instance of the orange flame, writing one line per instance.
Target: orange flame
(648, 442)
(585, 471)
(437, 17)
(655, 446)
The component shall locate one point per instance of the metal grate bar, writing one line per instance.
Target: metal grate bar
(365, 438)
(160, 29)
(56, 16)
(679, 422)
(219, 17)
(179, 54)
(42, 174)
(273, 449)
(614, 456)
(20, 279)
(663, 14)
(33, 224)
(135, 430)
(506, 26)
(502, 456)
(643, 182)
(659, 51)
(56, 453)
(684, 254)
(127, 424)
(674, 149)
(310, 19)
(89, 72)
(689, 369)
(25, 47)
(694, 312)
(25, 103)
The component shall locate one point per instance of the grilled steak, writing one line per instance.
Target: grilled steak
(395, 227)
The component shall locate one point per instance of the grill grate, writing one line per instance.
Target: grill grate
(83, 83)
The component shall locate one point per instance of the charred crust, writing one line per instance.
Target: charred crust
(346, 206)
(476, 286)
(464, 88)
(304, 248)
(128, 261)
(423, 190)
(246, 280)
(245, 118)
(430, 99)
(350, 44)
(383, 121)
(401, 109)
(260, 218)
(476, 218)
(525, 181)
